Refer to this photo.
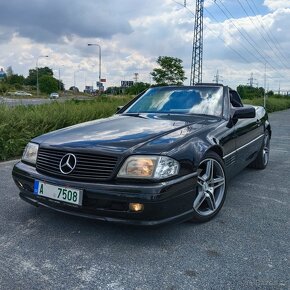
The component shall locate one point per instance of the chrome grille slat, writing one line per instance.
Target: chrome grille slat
(48, 166)
(94, 159)
(47, 159)
(89, 166)
(93, 167)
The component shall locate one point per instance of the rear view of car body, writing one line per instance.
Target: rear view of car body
(54, 96)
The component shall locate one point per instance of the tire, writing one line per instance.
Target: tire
(211, 188)
(262, 158)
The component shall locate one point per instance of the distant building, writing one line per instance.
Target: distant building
(2, 74)
(127, 84)
(89, 90)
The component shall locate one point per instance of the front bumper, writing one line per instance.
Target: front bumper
(164, 202)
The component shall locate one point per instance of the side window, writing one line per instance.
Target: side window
(226, 108)
(235, 99)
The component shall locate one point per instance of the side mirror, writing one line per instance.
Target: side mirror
(244, 113)
(119, 108)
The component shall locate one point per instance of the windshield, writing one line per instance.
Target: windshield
(183, 100)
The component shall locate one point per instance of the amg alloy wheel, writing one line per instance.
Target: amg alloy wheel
(211, 188)
(266, 148)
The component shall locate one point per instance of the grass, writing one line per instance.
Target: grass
(20, 124)
(272, 104)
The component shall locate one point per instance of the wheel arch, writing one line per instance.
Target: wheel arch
(216, 149)
(268, 127)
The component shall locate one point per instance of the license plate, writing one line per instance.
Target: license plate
(66, 194)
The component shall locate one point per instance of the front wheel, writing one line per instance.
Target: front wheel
(262, 158)
(211, 188)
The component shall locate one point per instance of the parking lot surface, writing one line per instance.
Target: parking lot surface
(247, 246)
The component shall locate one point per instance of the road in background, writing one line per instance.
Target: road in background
(247, 246)
(25, 102)
(35, 101)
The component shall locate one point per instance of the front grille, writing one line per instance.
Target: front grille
(89, 166)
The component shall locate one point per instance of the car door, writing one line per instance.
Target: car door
(226, 136)
(249, 136)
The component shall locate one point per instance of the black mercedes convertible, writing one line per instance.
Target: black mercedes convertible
(165, 156)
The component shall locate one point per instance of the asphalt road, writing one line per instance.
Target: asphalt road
(35, 101)
(247, 246)
(16, 102)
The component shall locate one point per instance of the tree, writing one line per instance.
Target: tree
(3, 88)
(15, 79)
(31, 79)
(248, 92)
(48, 84)
(170, 71)
(137, 88)
(75, 89)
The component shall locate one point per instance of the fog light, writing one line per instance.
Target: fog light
(20, 184)
(136, 207)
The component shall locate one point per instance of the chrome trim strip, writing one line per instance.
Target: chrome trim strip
(235, 151)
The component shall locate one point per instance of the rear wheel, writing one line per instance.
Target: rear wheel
(262, 158)
(211, 188)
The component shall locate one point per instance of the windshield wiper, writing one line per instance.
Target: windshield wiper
(138, 115)
(202, 115)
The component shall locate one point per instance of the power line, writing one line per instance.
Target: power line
(245, 35)
(258, 70)
(261, 34)
(214, 32)
(207, 27)
(240, 55)
(269, 33)
(240, 42)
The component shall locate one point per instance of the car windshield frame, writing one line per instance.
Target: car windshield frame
(193, 100)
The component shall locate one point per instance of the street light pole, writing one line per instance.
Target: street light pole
(59, 86)
(100, 58)
(37, 84)
(74, 80)
(265, 84)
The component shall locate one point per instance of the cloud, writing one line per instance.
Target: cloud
(50, 21)
(132, 35)
(277, 4)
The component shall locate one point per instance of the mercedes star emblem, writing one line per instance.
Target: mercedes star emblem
(67, 163)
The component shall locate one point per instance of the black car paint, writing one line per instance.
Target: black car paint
(185, 138)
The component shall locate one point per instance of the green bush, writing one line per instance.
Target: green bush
(273, 104)
(20, 124)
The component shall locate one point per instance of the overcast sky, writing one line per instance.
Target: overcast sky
(240, 37)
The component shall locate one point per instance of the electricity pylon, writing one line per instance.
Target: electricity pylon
(197, 50)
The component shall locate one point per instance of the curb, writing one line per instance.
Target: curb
(9, 162)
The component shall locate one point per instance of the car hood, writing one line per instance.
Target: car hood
(121, 132)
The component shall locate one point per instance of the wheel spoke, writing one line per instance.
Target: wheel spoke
(208, 171)
(200, 180)
(199, 200)
(210, 199)
(218, 182)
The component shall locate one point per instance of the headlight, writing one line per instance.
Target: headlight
(158, 167)
(30, 153)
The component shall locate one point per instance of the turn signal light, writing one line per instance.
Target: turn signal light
(136, 207)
